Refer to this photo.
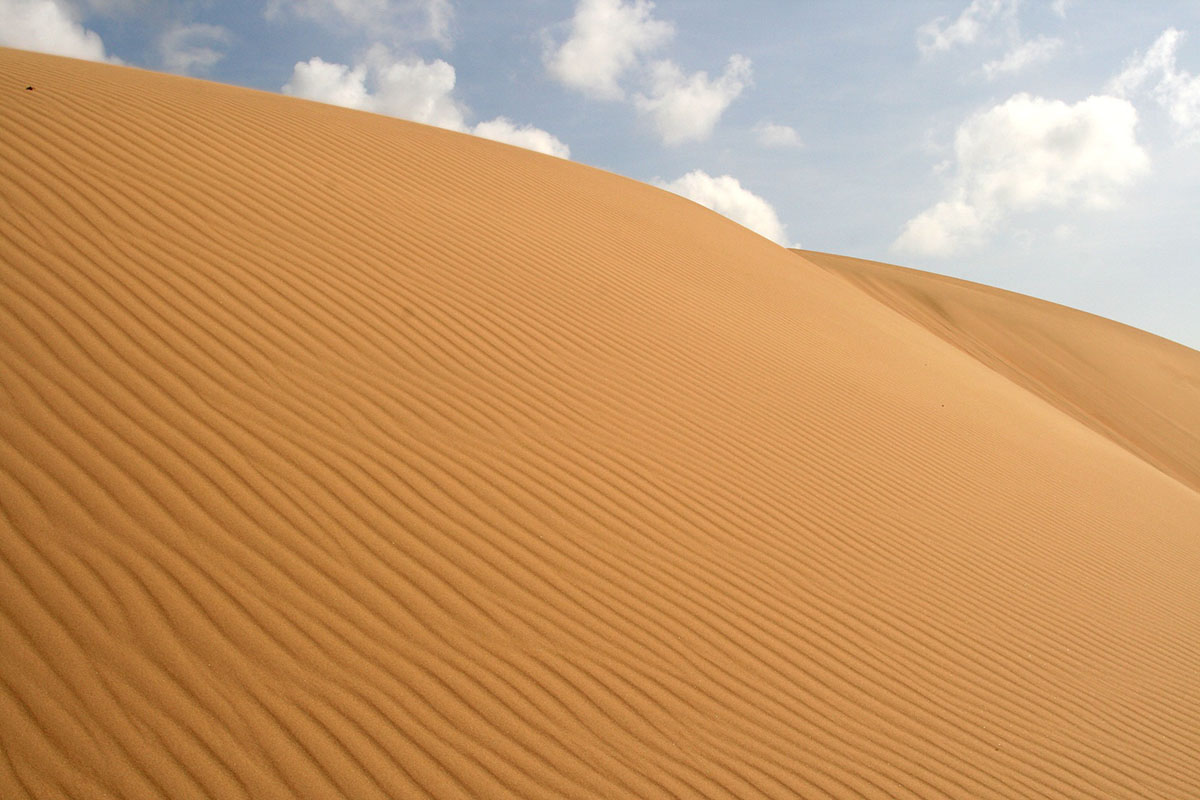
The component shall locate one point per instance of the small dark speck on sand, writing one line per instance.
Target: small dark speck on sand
(29, 88)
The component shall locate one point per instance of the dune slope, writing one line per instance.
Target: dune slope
(346, 457)
(1133, 387)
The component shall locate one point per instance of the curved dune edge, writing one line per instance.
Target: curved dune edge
(1135, 388)
(342, 456)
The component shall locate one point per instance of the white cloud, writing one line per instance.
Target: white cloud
(943, 229)
(1177, 91)
(417, 90)
(1029, 154)
(336, 84)
(413, 89)
(1027, 54)
(1059, 7)
(47, 26)
(728, 197)
(440, 19)
(1158, 60)
(412, 19)
(191, 49)
(771, 134)
(939, 35)
(607, 39)
(502, 130)
(422, 91)
(686, 108)
(610, 39)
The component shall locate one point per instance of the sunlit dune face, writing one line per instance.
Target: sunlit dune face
(343, 456)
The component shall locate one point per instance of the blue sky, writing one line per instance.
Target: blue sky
(1047, 147)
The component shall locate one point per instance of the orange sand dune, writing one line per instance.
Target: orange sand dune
(1135, 388)
(346, 457)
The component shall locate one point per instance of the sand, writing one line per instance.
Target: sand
(342, 456)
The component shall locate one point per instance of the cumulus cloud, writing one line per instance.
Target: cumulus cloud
(687, 107)
(1026, 54)
(1176, 90)
(770, 134)
(414, 89)
(325, 82)
(501, 129)
(1029, 154)
(607, 39)
(610, 41)
(410, 88)
(193, 49)
(416, 19)
(726, 196)
(48, 26)
(943, 34)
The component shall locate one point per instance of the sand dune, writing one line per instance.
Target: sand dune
(346, 457)
(1130, 386)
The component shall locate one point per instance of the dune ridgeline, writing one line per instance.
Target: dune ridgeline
(345, 457)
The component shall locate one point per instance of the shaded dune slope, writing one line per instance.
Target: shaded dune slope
(343, 456)
(1131, 386)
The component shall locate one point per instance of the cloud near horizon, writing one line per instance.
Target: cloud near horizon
(413, 89)
(48, 26)
(726, 196)
(502, 129)
(1029, 154)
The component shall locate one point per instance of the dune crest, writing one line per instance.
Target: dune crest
(342, 456)
(1135, 388)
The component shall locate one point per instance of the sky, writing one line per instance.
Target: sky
(1049, 147)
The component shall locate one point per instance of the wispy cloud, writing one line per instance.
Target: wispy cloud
(193, 49)
(1176, 90)
(1027, 54)
(989, 23)
(771, 134)
(942, 34)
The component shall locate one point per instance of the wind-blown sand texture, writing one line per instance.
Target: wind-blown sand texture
(342, 456)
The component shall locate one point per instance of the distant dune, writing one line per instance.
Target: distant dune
(342, 456)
